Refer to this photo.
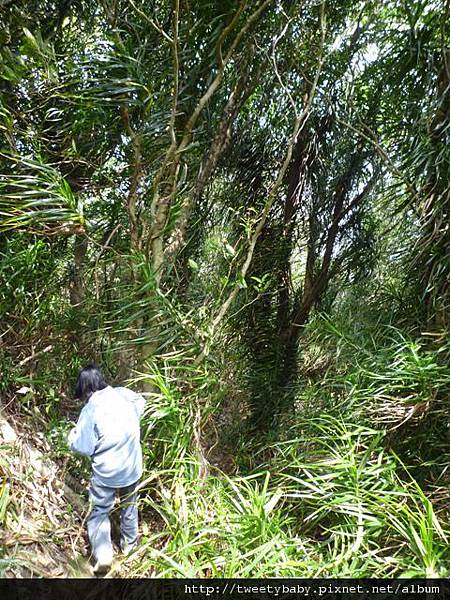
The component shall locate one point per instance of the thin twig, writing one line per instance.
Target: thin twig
(158, 28)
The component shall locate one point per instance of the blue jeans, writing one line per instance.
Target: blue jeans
(102, 499)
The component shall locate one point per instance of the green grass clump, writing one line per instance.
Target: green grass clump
(334, 491)
(331, 501)
(358, 498)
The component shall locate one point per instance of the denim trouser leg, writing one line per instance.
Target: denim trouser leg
(128, 515)
(98, 525)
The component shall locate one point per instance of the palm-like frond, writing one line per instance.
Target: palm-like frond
(38, 199)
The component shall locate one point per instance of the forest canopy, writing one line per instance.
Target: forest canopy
(243, 208)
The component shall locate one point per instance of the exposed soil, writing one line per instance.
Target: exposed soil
(44, 530)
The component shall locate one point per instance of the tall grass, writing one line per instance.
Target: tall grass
(4, 489)
(352, 482)
(331, 502)
(335, 495)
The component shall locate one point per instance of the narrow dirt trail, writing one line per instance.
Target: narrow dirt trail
(43, 510)
(43, 533)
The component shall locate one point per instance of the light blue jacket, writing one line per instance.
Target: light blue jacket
(108, 432)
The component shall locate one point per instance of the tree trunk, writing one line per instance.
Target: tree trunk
(77, 290)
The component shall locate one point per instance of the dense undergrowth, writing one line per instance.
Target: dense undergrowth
(352, 484)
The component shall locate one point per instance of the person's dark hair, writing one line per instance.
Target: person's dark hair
(89, 380)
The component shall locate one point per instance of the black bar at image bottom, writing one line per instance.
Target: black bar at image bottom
(227, 589)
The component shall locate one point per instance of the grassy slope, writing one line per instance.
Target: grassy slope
(329, 495)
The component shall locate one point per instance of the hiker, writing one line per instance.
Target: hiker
(108, 432)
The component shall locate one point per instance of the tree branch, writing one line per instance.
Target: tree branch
(298, 126)
(131, 201)
(161, 203)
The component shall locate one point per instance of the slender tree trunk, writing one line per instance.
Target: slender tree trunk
(317, 277)
(77, 290)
